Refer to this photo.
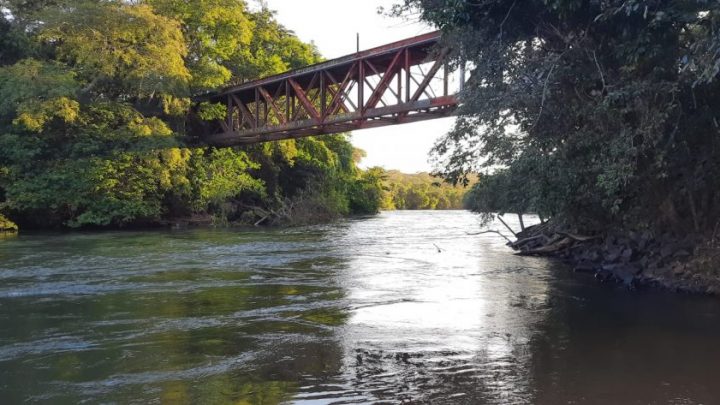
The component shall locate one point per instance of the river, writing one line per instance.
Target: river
(401, 307)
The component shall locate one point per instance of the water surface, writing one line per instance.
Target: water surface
(405, 307)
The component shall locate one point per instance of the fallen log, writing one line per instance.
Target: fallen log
(521, 242)
(547, 249)
(263, 219)
(578, 238)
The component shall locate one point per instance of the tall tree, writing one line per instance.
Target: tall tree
(604, 112)
(92, 113)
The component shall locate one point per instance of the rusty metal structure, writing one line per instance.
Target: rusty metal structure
(401, 82)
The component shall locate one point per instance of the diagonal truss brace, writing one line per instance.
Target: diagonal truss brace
(382, 86)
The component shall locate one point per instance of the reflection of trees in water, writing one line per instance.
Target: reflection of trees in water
(290, 339)
(184, 335)
(606, 345)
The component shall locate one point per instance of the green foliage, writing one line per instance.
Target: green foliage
(110, 166)
(125, 48)
(93, 96)
(499, 193)
(221, 174)
(229, 45)
(366, 194)
(31, 81)
(420, 191)
(7, 225)
(14, 44)
(601, 113)
(212, 111)
(215, 32)
(317, 202)
(273, 49)
(320, 181)
(34, 116)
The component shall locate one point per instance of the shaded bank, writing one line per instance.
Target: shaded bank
(635, 259)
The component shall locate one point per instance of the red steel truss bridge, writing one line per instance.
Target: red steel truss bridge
(405, 81)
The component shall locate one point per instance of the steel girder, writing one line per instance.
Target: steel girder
(391, 84)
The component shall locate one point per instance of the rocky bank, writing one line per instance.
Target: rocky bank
(683, 263)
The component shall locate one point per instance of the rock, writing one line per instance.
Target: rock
(681, 253)
(603, 275)
(593, 255)
(626, 274)
(632, 258)
(667, 250)
(585, 267)
(626, 255)
(613, 254)
(678, 269)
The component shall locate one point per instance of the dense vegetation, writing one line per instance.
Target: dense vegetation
(6, 225)
(93, 103)
(420, 191)
(600, 114)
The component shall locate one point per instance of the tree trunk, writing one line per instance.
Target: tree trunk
(522, 224)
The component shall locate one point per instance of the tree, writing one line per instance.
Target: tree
(366, 194)
(118, 49)
(420, 191)
(602, 112)
(215, 32)
(93, 100)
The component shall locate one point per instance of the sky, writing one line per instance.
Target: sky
(332, 25)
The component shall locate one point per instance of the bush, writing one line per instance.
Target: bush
(6, 225)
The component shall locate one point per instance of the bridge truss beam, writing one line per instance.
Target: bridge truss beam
(405, 81)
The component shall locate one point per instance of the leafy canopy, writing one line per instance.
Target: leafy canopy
(602, 112)
(93, 100)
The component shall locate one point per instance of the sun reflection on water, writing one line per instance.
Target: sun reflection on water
(433, 304)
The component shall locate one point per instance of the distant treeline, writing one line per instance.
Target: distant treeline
(420, 191)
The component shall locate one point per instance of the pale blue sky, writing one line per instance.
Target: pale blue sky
(332, 25)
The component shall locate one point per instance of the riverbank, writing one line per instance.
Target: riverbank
(689, 264)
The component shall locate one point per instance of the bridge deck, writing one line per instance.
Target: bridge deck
(400, 82)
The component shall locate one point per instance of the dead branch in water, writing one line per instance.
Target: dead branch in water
(499, 217)
(263, 219)
(491, 231)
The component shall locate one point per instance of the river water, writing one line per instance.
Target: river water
(404, 307)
